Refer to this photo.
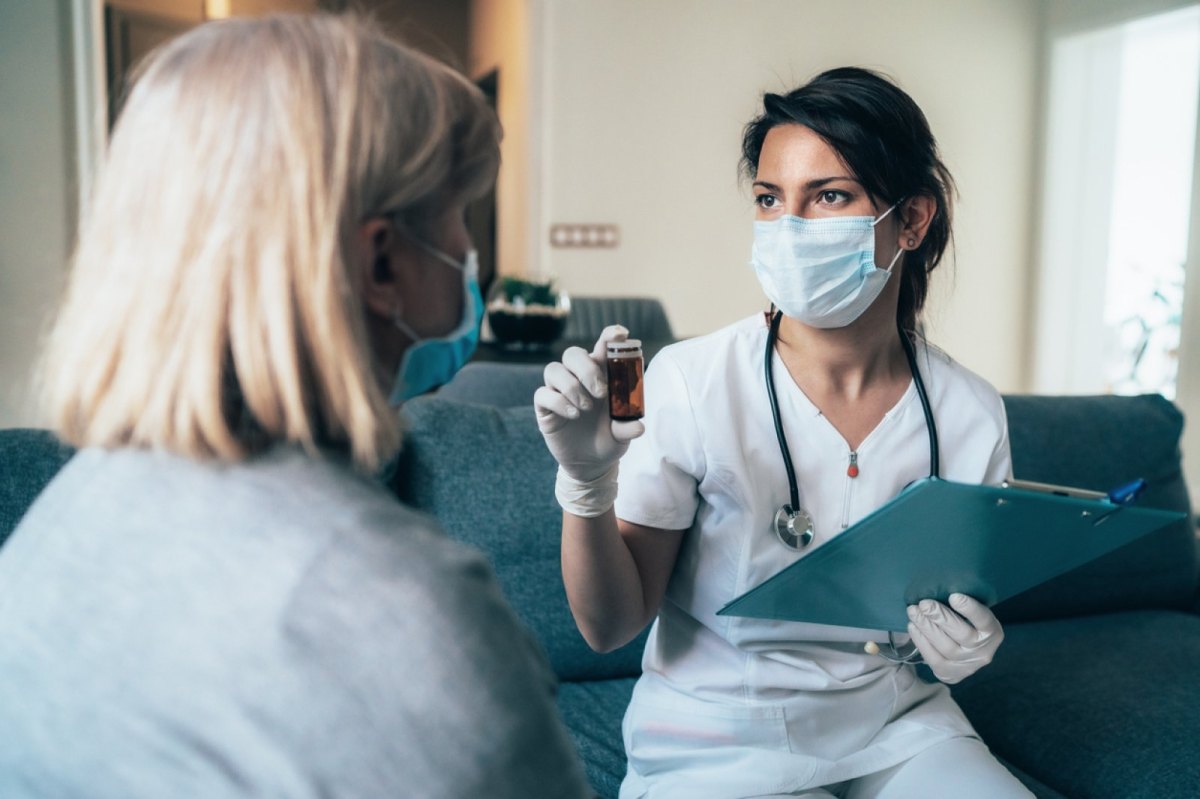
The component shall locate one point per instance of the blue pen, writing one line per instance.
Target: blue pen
(1127, 493)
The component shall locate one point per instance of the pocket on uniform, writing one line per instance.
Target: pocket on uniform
(704, 725)
(711, 750)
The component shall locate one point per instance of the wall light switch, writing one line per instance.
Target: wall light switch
(584, 235)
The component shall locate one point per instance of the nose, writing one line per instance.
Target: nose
(793, 207)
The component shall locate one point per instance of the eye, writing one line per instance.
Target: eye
(833, 197)
(766, 201)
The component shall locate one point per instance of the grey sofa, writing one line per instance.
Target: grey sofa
(590, 315)
(1093, 694)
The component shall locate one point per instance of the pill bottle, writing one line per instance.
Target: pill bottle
(626, 397)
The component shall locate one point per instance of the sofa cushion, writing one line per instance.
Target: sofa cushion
(1038, 788)
(29, 459)
(504, 385)
(1101, 706)
(1101, 443)
(593, 712)
(486, 474)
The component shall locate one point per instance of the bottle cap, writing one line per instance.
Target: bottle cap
(628, 346)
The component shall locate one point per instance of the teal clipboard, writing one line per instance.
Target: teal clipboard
(939, 537)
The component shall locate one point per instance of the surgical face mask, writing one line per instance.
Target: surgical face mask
(820, 271)
(432, 362)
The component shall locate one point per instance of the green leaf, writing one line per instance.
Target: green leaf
(531, 292)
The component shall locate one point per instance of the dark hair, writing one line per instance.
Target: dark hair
(885, 140)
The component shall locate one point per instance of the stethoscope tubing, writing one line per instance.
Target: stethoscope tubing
(935, 467)
(784, 450)
(780, 436)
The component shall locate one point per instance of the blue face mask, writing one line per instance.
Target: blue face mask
(432, 362)
(820, 271)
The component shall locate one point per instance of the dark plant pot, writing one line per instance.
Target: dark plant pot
(526, 329)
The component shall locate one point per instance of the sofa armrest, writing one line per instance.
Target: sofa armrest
(1098, 443)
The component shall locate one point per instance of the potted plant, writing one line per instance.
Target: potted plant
(527, 313)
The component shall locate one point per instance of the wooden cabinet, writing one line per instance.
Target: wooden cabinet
(132, 28)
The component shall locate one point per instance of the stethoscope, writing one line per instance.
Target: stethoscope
(793, 525)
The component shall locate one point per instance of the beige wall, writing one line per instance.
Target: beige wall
(645, 104)
(37, 186)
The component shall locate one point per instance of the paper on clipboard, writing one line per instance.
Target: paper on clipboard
(940, 537)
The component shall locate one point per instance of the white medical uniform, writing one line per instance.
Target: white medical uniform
(736, 707)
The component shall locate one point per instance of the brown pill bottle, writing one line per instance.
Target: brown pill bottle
(626, 395)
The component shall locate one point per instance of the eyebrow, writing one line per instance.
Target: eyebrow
(815, 183)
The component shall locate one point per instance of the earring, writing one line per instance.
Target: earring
(912, 242)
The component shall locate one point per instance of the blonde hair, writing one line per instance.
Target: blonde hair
(213, 307)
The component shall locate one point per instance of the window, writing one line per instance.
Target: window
(1117, 200)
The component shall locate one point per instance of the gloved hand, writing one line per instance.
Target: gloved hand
(955, 641)
(572, 413)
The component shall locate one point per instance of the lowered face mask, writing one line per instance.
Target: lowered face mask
(432, 362)
(820, 271)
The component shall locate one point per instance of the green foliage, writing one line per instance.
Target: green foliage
(530, 292)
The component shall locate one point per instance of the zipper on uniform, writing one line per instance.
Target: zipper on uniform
(851, 473)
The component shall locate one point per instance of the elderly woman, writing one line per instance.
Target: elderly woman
(213, 598)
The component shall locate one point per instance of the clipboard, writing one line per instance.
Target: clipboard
(939, 537)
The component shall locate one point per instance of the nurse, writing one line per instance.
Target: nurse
(852, 214)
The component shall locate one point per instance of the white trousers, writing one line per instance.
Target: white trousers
(949, 770)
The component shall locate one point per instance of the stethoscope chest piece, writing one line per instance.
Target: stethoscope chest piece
(794, 527)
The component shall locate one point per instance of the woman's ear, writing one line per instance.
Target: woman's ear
(916, 214)
(382, 260)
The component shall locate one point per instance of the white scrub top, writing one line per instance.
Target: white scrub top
(729, 706)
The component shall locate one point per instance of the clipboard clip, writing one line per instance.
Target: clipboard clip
(1120, 497)
(1123, 495)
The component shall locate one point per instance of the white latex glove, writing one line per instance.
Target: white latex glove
(954, 641)
(572, 413)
